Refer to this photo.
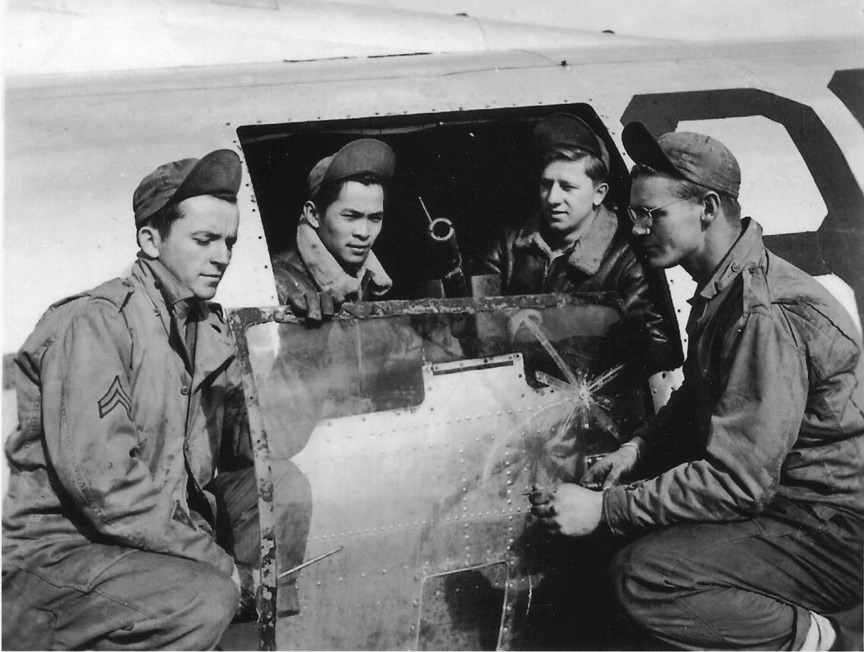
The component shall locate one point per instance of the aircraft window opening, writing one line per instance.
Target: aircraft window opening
(472, 168)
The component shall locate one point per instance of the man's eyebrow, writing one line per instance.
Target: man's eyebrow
(353, 212)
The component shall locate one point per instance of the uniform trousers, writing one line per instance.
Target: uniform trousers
(108, 597)
(744, 585)
(139, 601)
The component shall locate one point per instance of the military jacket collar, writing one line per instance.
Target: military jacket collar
(329, 275)
(214, 346)
(745, 253)
(586, 254)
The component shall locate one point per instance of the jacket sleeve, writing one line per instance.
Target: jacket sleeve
(667, 438)
(650, 316)
(495, 259)
(753, 425)
(291, 286)
(93, 445)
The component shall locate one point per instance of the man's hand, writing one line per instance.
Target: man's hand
(306, 302)
(610, 469)
(568, 508)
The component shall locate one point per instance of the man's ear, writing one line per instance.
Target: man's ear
(600, 191)
(711, 201)
(311, 214)
(149, 241)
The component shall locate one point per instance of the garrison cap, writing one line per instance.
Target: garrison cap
(698, 158)
(218, 172)
(566, 130)
(366, 155)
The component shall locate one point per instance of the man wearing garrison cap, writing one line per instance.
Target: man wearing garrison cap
(127, 396)
(751, 519)
(575, 243)
(333, 260)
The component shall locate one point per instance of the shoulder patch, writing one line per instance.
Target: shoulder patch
(115, 396)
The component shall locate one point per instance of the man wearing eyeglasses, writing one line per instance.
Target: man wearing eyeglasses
(751, 530)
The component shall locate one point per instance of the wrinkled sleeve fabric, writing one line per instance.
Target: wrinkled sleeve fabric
(291, 286)
(92, 442)
(753, 425)
(666, 438)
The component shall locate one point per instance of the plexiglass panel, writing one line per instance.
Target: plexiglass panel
(401, 442)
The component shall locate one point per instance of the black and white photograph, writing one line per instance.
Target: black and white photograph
(401, 325)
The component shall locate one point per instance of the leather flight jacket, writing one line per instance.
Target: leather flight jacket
(603, 260)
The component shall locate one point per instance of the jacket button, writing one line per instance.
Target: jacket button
(736, 267)
(184, 390)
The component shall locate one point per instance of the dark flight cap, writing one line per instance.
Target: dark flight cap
(698, 158)
(566, 130)
(365, 155)
(217, 172)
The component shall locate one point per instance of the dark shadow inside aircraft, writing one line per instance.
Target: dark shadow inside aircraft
(473, 168)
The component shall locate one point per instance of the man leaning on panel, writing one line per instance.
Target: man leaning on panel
(750, 536)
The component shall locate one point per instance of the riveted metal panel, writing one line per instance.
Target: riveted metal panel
(394, 447)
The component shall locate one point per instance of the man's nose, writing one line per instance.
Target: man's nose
(553, 195)
(222, 255)
(640, 229)
(361, 229)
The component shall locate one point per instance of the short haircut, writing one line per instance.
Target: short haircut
(595, 169)
(328, 193)
(688, 190)
(162, 219)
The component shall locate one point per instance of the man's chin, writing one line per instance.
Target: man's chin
(205, 292)
(657, 260)
(562, 225)
(353, 261)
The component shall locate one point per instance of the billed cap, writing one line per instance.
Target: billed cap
(218, 172)
(696, 157)
(566, 130)
(363, 156)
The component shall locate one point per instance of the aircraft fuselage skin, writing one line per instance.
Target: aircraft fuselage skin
(77, 146)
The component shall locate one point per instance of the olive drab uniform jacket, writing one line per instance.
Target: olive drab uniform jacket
(117, 440)
(772, 405)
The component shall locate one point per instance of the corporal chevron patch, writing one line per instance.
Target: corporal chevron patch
(115, 396)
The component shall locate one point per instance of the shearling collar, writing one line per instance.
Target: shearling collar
(329, 275)
(586, 254)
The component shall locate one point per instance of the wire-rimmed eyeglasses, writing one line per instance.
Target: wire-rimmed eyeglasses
(643, 217)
